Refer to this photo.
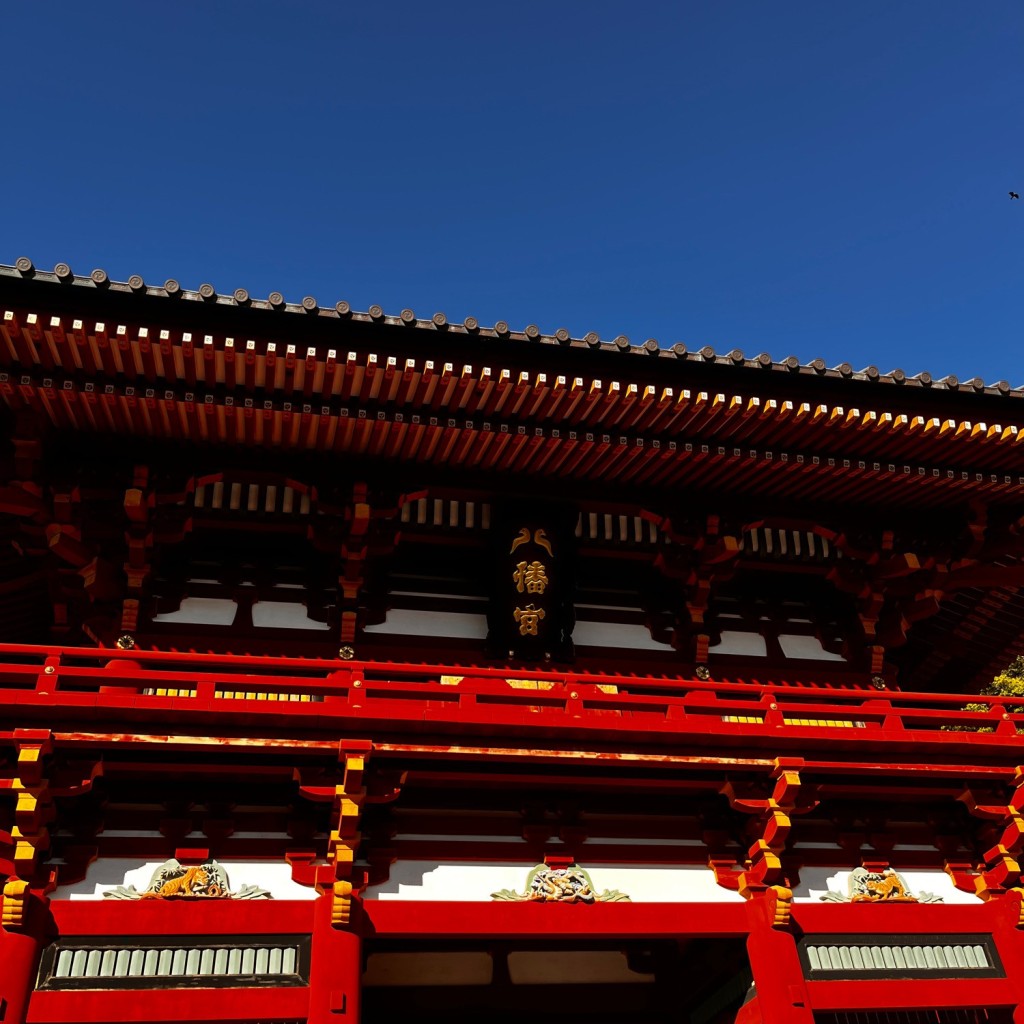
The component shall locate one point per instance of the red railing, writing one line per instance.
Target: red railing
(152, 685)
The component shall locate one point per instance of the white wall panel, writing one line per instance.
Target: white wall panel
(475, 881)
(109, 872)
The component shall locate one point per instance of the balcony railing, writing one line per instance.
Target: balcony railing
(400, 697)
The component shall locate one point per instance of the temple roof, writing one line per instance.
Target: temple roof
(130, 358)
(99, 281)
(468, 410)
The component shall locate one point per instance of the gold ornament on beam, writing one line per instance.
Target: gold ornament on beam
(885, 886)
(569, 884)
(173, 880)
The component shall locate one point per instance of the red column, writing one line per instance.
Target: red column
(335, 970)
(1008, 932)
(21, 938)
(778, 973)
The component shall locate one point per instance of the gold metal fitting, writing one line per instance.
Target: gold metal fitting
(125, 642)
(703, 673)
(346, 652)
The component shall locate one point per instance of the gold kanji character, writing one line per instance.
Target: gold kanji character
(528, 619)
(530, 576)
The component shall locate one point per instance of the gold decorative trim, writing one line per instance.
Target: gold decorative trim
(14, 904)
(341, 904)
(781, 901)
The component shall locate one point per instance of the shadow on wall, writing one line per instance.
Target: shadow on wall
(219, 611)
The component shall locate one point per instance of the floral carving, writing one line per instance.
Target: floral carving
(569, 884)
(173, 880)
(878, 887)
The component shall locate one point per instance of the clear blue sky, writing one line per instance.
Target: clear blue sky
(801, 177)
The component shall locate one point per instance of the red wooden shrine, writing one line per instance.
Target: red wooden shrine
(359, 666)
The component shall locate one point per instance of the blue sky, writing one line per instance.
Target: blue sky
(802, 177)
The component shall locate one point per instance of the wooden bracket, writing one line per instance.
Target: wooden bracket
(1001, 871)
(770, 825)
(13, 911)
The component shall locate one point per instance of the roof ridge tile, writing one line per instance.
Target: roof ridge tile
(24, 268)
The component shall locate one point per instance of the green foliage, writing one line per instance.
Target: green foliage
(1009, 683)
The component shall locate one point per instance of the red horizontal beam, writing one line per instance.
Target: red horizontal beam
(182, 917)
(904, 736)
(819, 919)
(411, 918)
(398, 918)
(429, 919)
(169, 1006)
(528, 764)
(923, 994)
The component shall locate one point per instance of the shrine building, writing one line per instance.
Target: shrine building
(360, 667)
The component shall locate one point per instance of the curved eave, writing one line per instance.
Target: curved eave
(206, 295)
(99, 356)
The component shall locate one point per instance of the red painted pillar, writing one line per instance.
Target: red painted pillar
(21, 939)
(1008, 932)
(778, 973)
(335, 970)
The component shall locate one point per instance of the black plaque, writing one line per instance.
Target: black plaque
(531, 615)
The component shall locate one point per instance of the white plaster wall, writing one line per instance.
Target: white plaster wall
(472, 626)
(469, 882)
(416, 622)
(807, 648)
(753, 645)
(815, 882)
(284, 615)
(735, 642)
(207, 611)
(628, 636)
(219, 611)
(109, 872)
